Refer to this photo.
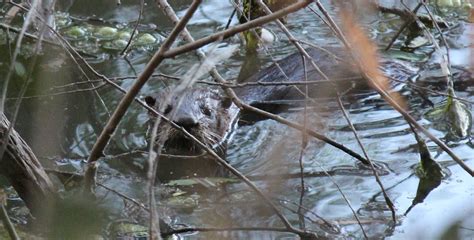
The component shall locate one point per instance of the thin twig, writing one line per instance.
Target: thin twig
(231, 229)
(129, 42)
(304, 144)
(28, 20)
(94, 88)
(230, 19)
(170, 13)
(322, 221)
(154, 154)
(62, 42)
(122, 107)
(279, 119)
(34, 37)
(313, 64)
(410, 119)
(342, 37)
(27, 81)
(407, 22)
(465, 100)
(237, 29)
(132, 200)
(7, 223)
(445, 43)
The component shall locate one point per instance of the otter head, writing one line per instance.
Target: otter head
(202, 112)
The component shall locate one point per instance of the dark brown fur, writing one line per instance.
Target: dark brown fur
(209, 116)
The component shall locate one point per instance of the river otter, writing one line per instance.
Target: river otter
(205, 114)
(209, 115)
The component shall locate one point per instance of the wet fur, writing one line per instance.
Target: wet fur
(215, 113)
(206, 107)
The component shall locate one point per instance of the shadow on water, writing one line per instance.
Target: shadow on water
(64, 127)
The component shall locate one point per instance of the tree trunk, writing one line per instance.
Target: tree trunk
(24, 172)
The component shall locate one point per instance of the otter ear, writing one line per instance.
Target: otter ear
(226, 102)
(150, 101)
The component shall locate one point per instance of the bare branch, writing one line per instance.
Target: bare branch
(119, 112)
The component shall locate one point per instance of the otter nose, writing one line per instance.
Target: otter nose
(186, 122)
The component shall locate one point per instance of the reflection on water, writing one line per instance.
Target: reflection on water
(265, 148)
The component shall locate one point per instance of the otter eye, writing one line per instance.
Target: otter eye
(168, 109)
(206, 111)
(150, 101)
(226, 102)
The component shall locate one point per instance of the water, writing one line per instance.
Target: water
(64, 128)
